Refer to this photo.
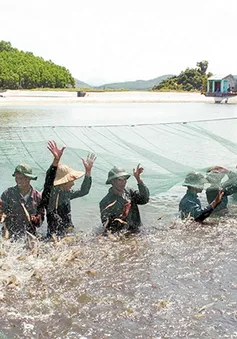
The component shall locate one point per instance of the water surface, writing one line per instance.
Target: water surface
(174, 279)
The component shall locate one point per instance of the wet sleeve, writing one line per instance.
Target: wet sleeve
(141, 196)
(5, 204)
(211, 194)
(199, 214)
(204, 214)
(84, 190)
(48, 185)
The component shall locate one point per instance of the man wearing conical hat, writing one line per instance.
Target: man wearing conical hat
(59, 217)
(22, 205)
(190, 205)
(119, 210)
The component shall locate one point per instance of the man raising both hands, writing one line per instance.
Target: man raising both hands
(119, 210)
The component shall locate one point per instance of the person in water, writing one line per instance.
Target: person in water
(118, 209)
(190, 205)
(58, 210)
(22, 205)
(215, 176)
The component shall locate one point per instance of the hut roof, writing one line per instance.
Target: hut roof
(219, 76)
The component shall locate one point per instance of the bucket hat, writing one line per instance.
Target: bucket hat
(115, 173)
(26, 170)
(194, 179)
(66, 174)
(214, 177)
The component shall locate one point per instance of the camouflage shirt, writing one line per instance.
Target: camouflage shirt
(190, 205)
(59, 207)
(14, 207)
(121, 212)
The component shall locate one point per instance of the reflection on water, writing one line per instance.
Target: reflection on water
(173, 282)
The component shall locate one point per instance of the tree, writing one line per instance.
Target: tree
(5, 46)
(24, 70)
(192, 79)
(202, 66)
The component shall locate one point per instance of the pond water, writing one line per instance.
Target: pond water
(173, 280)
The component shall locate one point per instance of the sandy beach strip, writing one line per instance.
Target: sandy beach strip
(12, 98)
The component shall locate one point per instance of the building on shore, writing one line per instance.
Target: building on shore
(221, 87)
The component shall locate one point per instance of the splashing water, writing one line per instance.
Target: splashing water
(172, 282)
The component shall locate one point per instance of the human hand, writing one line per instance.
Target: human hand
(88, 163)
(137, 172)
(218, 169)
(57, 152)
(35, 220)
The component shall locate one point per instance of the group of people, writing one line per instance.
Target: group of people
(23, 208)
(217, 193)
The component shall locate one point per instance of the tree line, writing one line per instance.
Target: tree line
(24, 70)
(192, 79)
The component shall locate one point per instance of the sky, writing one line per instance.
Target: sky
(102, 41)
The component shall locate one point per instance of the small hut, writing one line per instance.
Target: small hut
(220, 83)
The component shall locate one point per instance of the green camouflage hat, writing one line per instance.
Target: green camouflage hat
(115, 173)
(214, 177)
(25, 170)
(194, 179)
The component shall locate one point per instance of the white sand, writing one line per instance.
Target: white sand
(50, 97)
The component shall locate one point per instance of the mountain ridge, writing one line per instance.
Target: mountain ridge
(127, 85)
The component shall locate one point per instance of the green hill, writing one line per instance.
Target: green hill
(81, 84)
(24, 70)
(136, 85)
(192, 79)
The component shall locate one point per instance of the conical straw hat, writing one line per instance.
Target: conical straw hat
(66, 174)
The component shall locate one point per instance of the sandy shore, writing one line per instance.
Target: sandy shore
(40, 97)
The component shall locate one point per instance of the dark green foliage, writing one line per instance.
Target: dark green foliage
(23, 70)
(192, 79)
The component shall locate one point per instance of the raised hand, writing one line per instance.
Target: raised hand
(218, 169)
(88, 163)
(137, 172)
(57, 152)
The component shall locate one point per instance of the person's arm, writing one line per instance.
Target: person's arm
(202, 213)
(50, 175)
(1, 211)
(86, 184)
(140, 196)
(210, 208)
(84, 190)
(190, 207)
(4, 203)
(88, 163)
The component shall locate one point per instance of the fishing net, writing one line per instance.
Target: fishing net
(167, 151)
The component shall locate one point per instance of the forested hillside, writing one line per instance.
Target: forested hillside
(24, 70)
(192, 79)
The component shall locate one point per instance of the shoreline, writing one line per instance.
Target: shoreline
(19, 97)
